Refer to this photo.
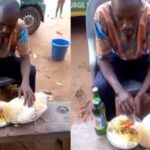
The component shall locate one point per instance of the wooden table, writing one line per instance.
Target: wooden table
(55, 123)
(83, 137)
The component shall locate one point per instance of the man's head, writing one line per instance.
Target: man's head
(126, 15)
(9, 14)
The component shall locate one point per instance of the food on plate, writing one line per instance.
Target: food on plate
(120, 128)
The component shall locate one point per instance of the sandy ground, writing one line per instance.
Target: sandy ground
(51, 75)
(81, 79)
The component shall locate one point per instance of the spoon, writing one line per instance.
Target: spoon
(135, 118)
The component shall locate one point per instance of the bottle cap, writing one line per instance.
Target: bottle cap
(95, 89)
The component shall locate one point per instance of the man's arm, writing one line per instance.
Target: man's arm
(143, 89)
(25, 69)
(25, 86)
(24, 51)
(146, 84)
(125, 99)
(110, 76)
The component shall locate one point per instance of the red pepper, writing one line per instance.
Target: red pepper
(127, 123)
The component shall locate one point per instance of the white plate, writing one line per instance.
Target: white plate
(118, 141)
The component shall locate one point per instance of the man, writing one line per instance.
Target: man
(123, 43)
(14, 36)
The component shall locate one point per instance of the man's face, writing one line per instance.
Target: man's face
(7, 23)
(126, 15)
(6, 28)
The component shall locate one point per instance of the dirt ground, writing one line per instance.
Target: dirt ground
(52, 75)
(81, 79)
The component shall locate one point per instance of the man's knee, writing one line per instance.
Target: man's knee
(103, 87)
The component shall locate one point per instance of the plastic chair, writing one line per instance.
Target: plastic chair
(5, 81)
(131, 85)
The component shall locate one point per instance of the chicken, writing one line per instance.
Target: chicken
(3, 121)
(143, 129)
(17, 113)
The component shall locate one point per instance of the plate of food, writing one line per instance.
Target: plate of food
(121, 134)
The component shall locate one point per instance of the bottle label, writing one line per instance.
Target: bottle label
(96, 101)
(100, 122)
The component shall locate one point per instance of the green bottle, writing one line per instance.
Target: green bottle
(99, 113)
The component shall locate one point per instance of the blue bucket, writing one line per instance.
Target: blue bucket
(59, 48)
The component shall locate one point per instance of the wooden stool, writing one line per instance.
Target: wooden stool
(54, 126)
(5, 81)
(8, 90)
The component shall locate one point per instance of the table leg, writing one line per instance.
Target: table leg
(1, 146)
(62, 143)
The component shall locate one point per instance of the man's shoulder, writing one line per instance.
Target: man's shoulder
(145, 7)
(103, 12)
(20, 24)
(145, 13)
(104, 7)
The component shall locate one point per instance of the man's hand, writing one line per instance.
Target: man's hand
(28, 94)
(126, 104)
(137, 103)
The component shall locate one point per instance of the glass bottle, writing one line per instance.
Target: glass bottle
(99, 113)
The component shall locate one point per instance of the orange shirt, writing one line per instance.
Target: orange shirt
(18, 40)
(109, 39)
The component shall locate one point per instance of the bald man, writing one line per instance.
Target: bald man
(14, 37)
(122, 44)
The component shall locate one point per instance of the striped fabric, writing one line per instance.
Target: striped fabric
(18, 40)
(109, 38)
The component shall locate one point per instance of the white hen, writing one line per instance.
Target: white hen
(15, 112)
(143, 129)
